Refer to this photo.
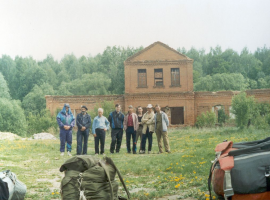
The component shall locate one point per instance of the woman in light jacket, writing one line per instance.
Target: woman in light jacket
(148, 128)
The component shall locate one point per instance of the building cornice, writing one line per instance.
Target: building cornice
(159, 62)
(230, 93)
(85, 98)
(170, 95)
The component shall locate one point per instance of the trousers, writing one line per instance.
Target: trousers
(82, 141)
(117, 135)
(65, 137)
(100, 138)
(146, 136)
(162, 135)
(130, 133)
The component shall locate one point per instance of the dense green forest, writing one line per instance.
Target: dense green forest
(24, 81)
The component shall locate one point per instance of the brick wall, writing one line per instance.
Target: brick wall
(57, 102)
(194, 103)
(204, 101)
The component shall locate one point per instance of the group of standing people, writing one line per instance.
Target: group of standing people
(137, 126)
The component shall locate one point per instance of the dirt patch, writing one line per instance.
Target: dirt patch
(44, 136)
(8, 136)
(135, 190)
(55, 182)
(175, 197)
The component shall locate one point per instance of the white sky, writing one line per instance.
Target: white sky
(86, 27)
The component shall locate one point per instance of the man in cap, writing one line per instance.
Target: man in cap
(83, 122)
(66, 122)
(116, 119)
(148, 129)
(130, 126)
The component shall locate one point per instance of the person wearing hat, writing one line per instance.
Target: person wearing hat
(131, 126)
(83, 122)
(66, 122)
(148, 129)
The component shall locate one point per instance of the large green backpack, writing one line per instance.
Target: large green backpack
(88, 178)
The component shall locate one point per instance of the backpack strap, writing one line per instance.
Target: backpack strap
(226, 164)
(212, 168)
(108, 176)
(110, 161)
(123, 183)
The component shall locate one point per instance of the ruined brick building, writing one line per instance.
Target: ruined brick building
(160, 75)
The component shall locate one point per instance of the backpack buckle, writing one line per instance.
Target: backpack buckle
(228, 193)
(267, 171)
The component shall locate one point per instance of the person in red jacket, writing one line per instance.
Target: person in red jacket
(131, 125)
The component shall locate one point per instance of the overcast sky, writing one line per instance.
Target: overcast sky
(86, 27)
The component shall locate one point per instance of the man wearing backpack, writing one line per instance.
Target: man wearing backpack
(161, 124)
(116, 119)
(83, 122)
(66, 122)
(131, 126)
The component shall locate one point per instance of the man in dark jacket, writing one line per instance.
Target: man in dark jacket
(116, 119)
(83, 122)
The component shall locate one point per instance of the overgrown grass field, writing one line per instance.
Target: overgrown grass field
(178, 175)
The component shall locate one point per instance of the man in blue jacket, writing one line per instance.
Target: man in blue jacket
(66, 122)
(83, 122)
(116, 119)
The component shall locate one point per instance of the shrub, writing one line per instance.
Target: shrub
(207, 119)
(222, 117)
(268, 118)
(12, 117)
(243, 108)
(41, 122)
(260, 115)
(4, 90)
(34, 102)
(108, 107)
(249, 112)
(260, 122)
(262, 108)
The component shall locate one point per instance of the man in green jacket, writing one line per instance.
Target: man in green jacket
(161, 124)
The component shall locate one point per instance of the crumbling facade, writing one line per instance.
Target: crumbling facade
(160, 75)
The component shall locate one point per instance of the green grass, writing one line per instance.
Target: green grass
(183, 173)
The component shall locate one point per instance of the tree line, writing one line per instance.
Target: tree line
(230, 70)
(24, 81)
